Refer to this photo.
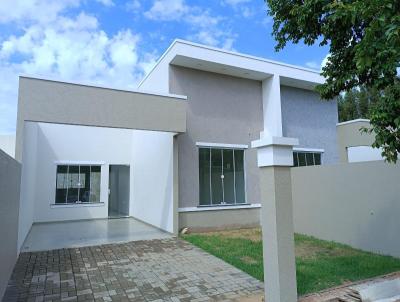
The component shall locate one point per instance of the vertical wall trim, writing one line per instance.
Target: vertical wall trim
(175, 188)
(272, 111)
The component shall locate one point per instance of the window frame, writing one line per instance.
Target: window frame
(313, 151)
(53, 204)
(217, 146)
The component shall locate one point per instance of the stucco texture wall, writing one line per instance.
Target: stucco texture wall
(10, 176)
(221, 109)
(313, 121)
(356, 204)
(349, 135)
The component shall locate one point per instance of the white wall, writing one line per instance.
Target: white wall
(363, 153)
(28, 181)
(152, 176)
(7, 144)
(148, 153)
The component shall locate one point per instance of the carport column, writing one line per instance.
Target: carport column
(275, 158)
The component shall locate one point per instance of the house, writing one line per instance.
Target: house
(174, 153)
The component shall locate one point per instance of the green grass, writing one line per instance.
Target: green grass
(319, 264)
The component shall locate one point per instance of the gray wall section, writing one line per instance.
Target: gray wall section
(311, 120)
(65, 103)
(203, 221)
(221, 109)
(356, 204)
(10, 177)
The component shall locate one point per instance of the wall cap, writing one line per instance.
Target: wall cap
(353, 121)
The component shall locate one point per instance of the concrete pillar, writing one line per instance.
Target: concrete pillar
(275, 158)
(272, 111)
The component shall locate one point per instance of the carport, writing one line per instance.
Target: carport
(76, 144)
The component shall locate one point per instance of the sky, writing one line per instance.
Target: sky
(116, 42)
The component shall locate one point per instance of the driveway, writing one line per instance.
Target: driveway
(153, 270)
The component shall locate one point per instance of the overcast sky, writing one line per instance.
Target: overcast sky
(115, 42)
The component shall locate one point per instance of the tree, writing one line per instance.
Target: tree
(364, 41)
(356, 103)
(347, 106)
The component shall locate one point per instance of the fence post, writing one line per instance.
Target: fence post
(275, 159)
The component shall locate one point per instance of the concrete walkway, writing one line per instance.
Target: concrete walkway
(58, 235)
(154, 270)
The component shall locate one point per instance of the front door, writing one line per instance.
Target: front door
(118, 199)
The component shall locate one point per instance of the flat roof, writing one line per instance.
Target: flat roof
(197, 56)
(88, 84)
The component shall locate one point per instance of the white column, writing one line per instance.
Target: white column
(272, 113)
(275, 158)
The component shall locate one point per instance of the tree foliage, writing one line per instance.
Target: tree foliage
(364, 41)
(357, 103)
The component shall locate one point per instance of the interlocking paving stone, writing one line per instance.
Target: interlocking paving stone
(152, 270)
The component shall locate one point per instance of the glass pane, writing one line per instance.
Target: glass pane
(216, 173)
(302, 159)
(295, 162)
(61, 184)
(228, 180)
(84, 184)
(239, 176)
(204, 176)
(95, 179)
(73, 184)
(309, 159)
(317, 158)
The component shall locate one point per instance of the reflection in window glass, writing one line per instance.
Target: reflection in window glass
(221, 176)
(317, 158)
(77, 184)
(229, 176)
(306, 158)
(73, 184)
(95, 173)
(216, 177)
(239, 176)
(204, 176)
(302, 159)
(309, 159)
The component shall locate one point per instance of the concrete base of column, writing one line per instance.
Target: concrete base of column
(278, 234)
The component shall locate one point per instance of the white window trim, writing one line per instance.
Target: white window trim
(219, 208)
(309, 150)
(218, 145)
(77, 205)
(79, 163)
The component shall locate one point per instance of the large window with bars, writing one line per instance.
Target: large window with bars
(78, 184)
(221, 176)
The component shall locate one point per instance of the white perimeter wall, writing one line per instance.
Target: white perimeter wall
(148, 153)
(356, 204)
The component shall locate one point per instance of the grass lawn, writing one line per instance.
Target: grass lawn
(319, 264)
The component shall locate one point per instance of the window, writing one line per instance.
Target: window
(77, 184)
(301, 158)
(221, 176)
